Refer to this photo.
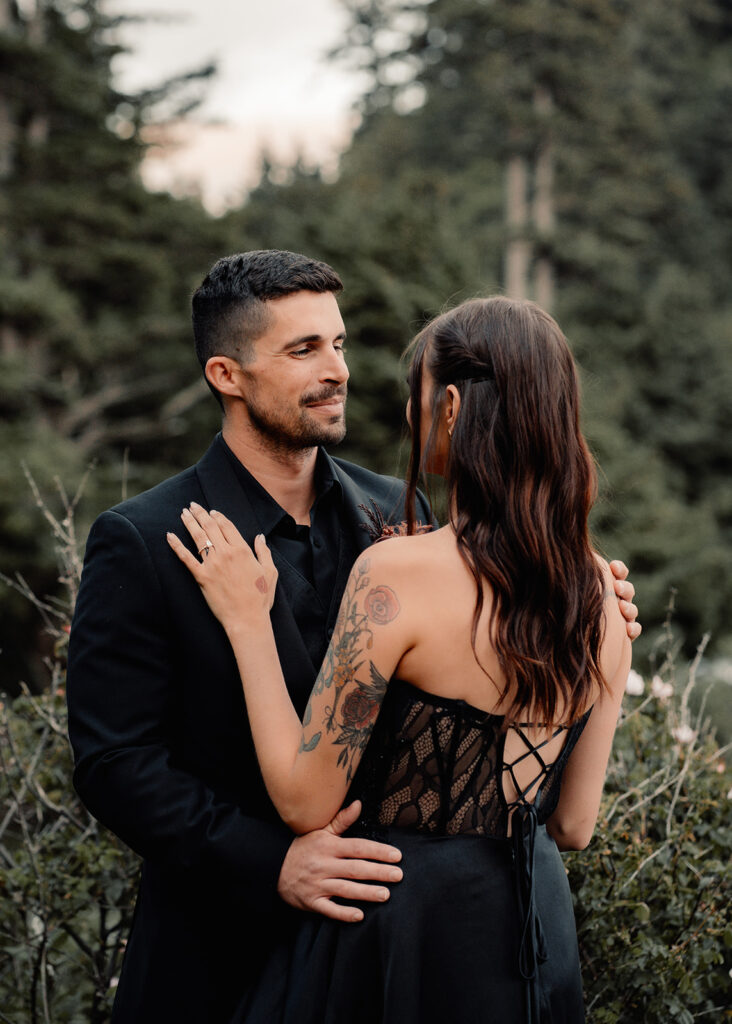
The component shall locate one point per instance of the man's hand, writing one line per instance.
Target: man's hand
(625, 592)
(322, 864)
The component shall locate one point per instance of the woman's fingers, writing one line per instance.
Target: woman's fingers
(266, 562)
(207, 523)
(228, 530)
(189, 560)
(264, 555)
(200, 538)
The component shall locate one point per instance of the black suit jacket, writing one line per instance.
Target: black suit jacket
(163, 752)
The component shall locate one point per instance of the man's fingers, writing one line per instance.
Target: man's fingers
(327, 908)
(184, 554)
(618, 569)
(624, 589)
(366, 871)
(365, 850)
(344, 819)
(360, 891)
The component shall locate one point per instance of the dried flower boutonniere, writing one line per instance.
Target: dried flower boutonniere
(379, 529)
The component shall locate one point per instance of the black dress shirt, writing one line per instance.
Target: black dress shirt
(311, 552)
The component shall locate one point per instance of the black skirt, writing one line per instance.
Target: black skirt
(477, 932)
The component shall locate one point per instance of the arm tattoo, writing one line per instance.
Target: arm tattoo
(356, 701)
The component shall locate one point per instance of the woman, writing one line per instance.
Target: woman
(468, 698)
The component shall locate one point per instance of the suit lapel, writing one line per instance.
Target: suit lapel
(224, 492)
(356, 536)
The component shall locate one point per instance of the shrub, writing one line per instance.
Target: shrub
(66, 884)
(651, 891)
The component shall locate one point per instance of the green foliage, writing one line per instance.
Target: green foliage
(96, 274)
(96, 359)
(626, 100)
(66, 885)
(652, 891)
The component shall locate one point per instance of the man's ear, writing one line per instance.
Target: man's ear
(224, 374)
(452, 406)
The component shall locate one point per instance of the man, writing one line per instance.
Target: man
(157, 719)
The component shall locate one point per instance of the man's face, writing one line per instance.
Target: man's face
(294, 384)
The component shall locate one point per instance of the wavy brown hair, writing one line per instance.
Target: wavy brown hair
(521, 483)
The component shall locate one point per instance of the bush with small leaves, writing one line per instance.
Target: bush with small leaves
(67, 885)
(652, 891)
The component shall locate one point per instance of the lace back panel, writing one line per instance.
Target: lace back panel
(440, 765)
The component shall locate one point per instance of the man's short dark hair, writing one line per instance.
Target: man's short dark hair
(229, 311)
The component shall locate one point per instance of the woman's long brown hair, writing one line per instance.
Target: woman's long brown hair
(521, 483)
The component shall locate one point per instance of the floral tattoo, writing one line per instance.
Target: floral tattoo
(350, 717)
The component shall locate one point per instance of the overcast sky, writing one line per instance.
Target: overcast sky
(273, 89)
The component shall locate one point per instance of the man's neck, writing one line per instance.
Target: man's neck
(288, 476)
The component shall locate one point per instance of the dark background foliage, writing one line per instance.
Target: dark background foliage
(577, 151)
(651, 892)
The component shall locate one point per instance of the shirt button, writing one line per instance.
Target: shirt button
(317, 543)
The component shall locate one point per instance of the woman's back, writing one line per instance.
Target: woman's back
(446, 721)
(437, 598)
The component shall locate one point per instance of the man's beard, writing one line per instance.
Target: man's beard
(295, 431)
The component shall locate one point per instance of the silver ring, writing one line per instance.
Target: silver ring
(205, 547)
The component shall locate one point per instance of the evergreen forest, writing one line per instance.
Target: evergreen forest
(577, 152)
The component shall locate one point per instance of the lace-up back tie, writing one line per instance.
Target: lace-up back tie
(532, 944)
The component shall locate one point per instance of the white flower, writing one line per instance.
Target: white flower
(634, 684)
(683, 734)
(660, 689)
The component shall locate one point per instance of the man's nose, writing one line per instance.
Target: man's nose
(334, 368)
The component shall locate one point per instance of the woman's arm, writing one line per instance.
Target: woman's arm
(573, 822)
(307, 766)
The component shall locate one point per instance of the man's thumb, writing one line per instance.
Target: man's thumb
(345, 818)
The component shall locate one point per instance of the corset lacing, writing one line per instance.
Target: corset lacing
(524, 824)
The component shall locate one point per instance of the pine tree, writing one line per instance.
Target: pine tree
(95, 277)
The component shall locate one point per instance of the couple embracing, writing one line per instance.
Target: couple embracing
(349, 768)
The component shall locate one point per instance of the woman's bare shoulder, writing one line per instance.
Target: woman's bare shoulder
(418, 551)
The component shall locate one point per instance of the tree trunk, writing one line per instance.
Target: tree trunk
(543, 206)
(518, 249)
(7, 123)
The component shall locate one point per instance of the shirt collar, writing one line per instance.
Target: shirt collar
(269, 512)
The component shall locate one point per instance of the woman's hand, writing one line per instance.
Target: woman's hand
(238, 583)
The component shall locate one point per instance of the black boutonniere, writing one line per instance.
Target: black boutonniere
(379, 529)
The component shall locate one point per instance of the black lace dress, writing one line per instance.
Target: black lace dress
(481, 929)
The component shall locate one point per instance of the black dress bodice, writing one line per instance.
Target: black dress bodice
(436, 764)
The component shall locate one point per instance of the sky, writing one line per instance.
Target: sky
(273, 89)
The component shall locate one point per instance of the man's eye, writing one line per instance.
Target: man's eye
(300, 352)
